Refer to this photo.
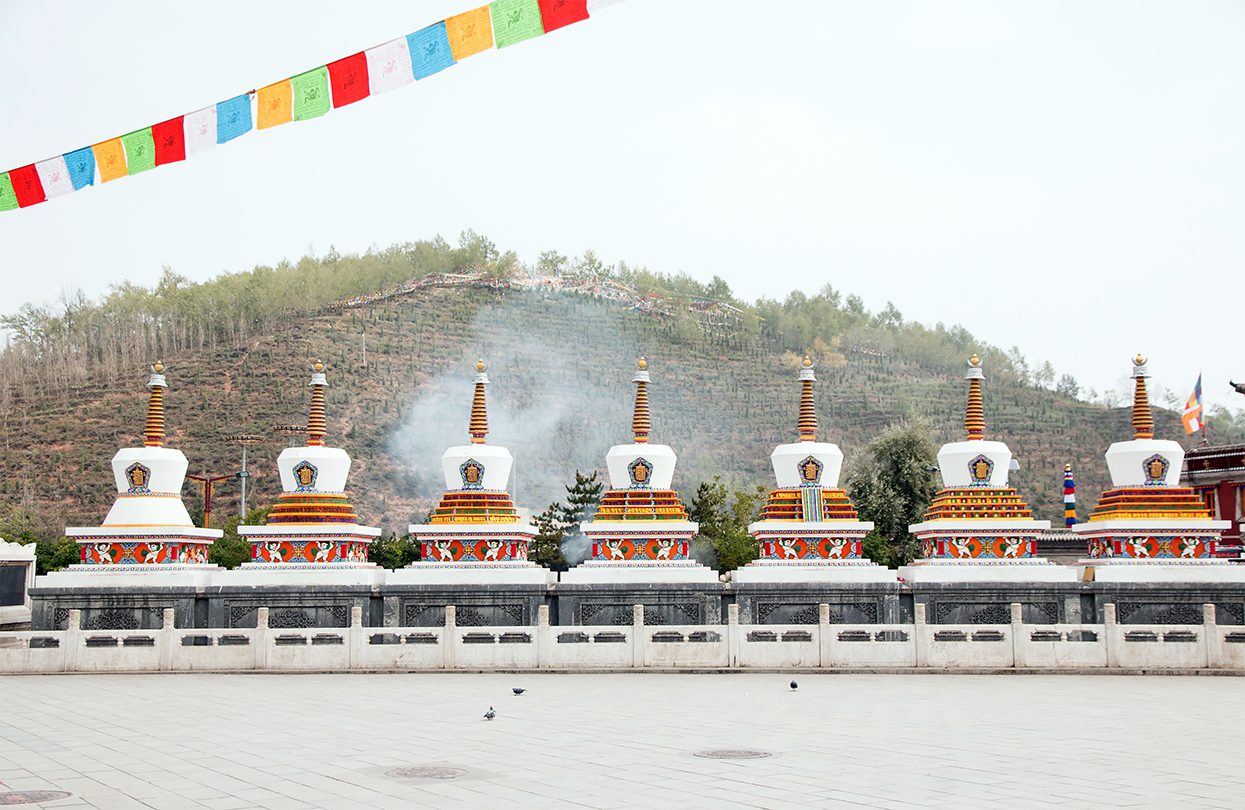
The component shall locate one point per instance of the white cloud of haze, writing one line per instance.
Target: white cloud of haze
(1063, 176)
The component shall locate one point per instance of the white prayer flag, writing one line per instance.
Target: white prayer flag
(54, 175)
(200, 130)
(389, 66)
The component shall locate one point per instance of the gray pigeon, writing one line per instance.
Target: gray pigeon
(490, 714)
(795, 685)
(518, 690)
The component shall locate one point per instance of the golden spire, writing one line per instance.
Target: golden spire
(479, 413)
(153, 431)
(641, 423)
(807, 423)
(974, 414)
(317, 426)
(1143, 420)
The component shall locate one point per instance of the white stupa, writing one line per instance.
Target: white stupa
(977, 528)
(475, 534)
(148, 528)
(313, 526)
(640, 532)
(1148, 528)
(809, 531)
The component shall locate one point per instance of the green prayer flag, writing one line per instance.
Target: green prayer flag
(8, 199)
(140, 151)
(515, 21)
(311, 93)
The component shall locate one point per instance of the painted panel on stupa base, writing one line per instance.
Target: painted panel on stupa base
(970, 547)
(810, 548)
(660, 548)
(1152, 547)
(308, 550)
(487, 550)
(142, 552)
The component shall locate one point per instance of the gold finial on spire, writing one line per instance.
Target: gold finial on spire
(478, 426)
(1143, 420)
(153, 430)
(807, 422)
(641, 422)
(317, 424)
(975, 413)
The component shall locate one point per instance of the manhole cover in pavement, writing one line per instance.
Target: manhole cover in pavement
(426, 772)
(732, 753)
(32, 796)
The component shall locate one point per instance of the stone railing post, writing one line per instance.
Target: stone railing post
(920, 634)
(1212, 641)
(73, 640)
(261, 640)
(825, 637)
(1109, 634)
(167, 640)
(356, 638)
(1020, 637)
(544, 638)
(449, 638)
(734, 636)
(639, 637)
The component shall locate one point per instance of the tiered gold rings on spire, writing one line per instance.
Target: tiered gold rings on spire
(974, 414)
(317, 425)
(1143, 419)
(641, 421)
(153, 430)
(478, 426)
(807, 423)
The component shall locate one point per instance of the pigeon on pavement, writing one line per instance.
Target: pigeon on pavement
(490, 714)
(795, 685)
(518, 690)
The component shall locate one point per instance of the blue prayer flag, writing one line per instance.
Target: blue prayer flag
(81, 165)
(233, 118)
(430, 50)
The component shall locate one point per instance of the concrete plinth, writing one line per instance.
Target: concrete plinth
(1161, 570)
(433, 573)
(1025, 569)
(760, 571)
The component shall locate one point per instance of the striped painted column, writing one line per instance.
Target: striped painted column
(1069, 497)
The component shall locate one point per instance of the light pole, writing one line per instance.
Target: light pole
(208, 481)
(293, 431)
(243, 439)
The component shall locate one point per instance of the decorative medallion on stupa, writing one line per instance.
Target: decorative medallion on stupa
(475, 525)
(312, 524)
(809, 529)
(1147, 526)
(148, 528)
(641, 525)
(977, 527)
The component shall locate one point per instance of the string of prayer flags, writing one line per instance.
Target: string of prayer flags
(311, 94)
(170, 140)
(307, 95)
(233, 118)
(200, 131)
(557, 14)
(110, 157)
(140, 151)
(54, 175)
(274, 105)
(469, 33)
(81, 163)
(429, 50)
(515, 21)
(348, 78)
(26, 186)
(389, 65)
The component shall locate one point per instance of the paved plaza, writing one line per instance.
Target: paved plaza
(622, 740)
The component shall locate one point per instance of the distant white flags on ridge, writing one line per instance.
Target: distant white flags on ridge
(54, 175)
(389, 66)
(199, 128)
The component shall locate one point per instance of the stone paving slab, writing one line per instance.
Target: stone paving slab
(287, 742)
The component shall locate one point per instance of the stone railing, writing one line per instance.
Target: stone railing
(733, 646)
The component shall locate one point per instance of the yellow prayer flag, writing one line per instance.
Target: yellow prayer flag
(275, 104)
(110, 157)
(469, 32)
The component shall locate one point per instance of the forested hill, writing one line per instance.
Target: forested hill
(399, 330)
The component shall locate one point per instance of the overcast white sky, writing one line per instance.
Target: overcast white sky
(1068, 177)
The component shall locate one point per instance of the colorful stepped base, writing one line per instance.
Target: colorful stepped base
(474, 506)
(1148, 503)
(978, 503)
(641, 504)
(301, 508)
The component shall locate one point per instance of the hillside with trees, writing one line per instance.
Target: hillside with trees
(399, 329)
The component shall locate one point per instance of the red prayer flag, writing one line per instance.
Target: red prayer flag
(557, 13)
(26, 186)
(170, 138)
(348, 78)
